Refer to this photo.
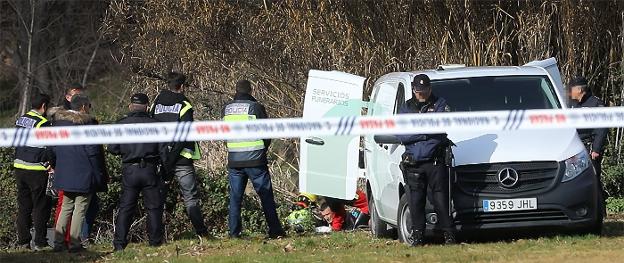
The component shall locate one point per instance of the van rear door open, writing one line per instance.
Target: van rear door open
(328, 165)
(550, 65)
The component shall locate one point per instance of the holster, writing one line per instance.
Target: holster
(444, 153)
(409, 177)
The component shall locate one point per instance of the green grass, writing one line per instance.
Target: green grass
(354, 247)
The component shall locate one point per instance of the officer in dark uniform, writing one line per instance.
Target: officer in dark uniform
(172, 106)
(594, 139)
(424, 164)
(139, 162)
(31, 177)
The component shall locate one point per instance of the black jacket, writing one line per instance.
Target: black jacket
(136, 152)
(78, 168)
(422, 147)
(171, 106)
(595, 137)
(252, 158)
(31, 155)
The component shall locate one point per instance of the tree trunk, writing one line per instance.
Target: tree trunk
(25, 96)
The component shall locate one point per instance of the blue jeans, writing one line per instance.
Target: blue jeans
(261, 180)
(89, 222)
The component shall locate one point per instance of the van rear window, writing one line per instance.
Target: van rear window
(497, 93)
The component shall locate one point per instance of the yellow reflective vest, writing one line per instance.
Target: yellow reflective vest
(30, 157)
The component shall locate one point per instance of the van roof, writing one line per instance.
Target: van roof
(467, 72)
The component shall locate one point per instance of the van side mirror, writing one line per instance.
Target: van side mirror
(386, 139)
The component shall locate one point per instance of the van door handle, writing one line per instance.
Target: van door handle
(315, 141)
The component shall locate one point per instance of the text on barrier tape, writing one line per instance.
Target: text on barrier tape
(297, 127)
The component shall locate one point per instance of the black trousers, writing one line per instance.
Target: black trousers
(136, 180)
(418, 178)
(604, 195)
(33, 206)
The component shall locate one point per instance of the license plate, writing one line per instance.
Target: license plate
(510, 204)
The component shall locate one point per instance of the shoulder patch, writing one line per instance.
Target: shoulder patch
(25, 122)
(237, 109)
(175, 108)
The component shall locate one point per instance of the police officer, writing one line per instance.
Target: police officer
(31, 177)
(139, 162)
(594, 139)
(247, 159)
(424, 164)
(172, 106)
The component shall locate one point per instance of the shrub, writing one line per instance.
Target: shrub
(8, 198)
(214, 195)
(613, 179)
(615, 205)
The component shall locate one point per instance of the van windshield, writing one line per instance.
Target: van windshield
(497, 93)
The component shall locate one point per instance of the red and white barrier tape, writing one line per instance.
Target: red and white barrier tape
(297, 127)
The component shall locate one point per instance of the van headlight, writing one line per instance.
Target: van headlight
(576, 165)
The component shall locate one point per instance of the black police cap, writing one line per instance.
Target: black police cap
(421, 82)
(577, 81)
(139, 98)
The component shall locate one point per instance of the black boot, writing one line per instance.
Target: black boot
(417, 238)
(449, 238)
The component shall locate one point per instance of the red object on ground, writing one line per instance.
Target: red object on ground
(361, 202)
(339, 216)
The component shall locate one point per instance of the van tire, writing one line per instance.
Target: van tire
(379, 228)
(404, 221)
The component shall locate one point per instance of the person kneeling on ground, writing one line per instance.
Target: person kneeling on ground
(334, 212)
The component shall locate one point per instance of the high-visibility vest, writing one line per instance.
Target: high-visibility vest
(25, 156)
(176, 112)
(243, 145)
(187, 153)
(247, 149)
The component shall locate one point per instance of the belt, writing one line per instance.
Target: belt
(407, 159)
(142, 162)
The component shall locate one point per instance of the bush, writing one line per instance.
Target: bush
(214, 195)
(8, 198)
(615, 205)
(613, 179)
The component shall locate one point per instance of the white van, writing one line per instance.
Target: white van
(547, 172)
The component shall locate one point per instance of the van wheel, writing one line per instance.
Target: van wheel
(404, 221)
(378, 227)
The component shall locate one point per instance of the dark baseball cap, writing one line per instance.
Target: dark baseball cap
(139, 98)
(421, 82)
(577, 81)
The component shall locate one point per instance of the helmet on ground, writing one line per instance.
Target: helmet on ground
(306, 200)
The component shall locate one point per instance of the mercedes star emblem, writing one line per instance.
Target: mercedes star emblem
(508, 177)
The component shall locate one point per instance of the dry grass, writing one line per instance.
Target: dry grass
(275, 43)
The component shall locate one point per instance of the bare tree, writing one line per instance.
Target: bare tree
(52, 43)
(23, 106)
